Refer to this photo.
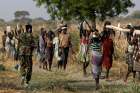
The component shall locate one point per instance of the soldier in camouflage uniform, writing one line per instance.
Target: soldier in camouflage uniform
(18, 30)
(26, 48)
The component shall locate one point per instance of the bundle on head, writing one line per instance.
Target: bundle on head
(106, 23)
(107, 31)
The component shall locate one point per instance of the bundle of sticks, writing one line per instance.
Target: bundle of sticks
(136, 32)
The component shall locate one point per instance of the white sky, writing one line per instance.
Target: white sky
(8, 7)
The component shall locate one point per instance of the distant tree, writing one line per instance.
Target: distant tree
(85, 9)
(135, 14)
(2, 20)
(40, 18)
(21, 14)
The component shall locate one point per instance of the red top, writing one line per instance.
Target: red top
(108, 50)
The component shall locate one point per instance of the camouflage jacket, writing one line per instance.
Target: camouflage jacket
(26, 44)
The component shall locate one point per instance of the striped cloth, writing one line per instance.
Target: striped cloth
(95, 46)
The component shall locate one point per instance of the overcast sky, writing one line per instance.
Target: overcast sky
(8, 7)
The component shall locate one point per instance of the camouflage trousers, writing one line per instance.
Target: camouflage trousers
(26, 67)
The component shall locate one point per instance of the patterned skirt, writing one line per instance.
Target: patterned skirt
(82, 55)
(129, 61)
(96, 63)
(136, 56)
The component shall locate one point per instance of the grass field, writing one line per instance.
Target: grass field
(71, 80)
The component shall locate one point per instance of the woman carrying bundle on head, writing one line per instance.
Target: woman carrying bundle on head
(108, 48)
(133, 49)
(130, 55)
